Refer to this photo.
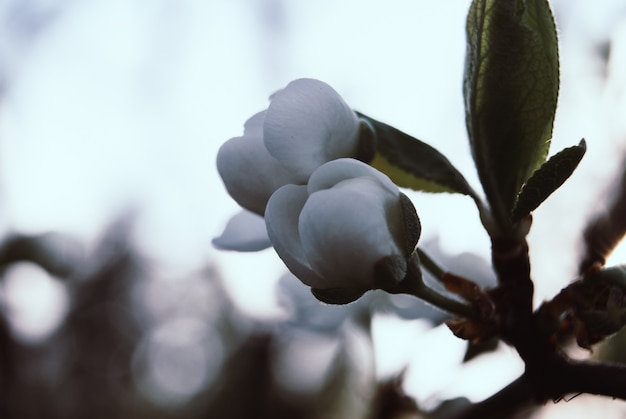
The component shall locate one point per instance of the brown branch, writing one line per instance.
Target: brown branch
(572, 378)
(603, 379)
(606, 230)
(549, 374)
(564, 377)
(505, 403)
(513, 297)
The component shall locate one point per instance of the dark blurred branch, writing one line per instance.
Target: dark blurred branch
(60, 256)
(56, 253)
(390, 401)
(7, 368)
(606, 230)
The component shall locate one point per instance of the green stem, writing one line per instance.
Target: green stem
(430, 265)
(414, 285)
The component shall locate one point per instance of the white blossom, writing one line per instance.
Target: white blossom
(306, 125)
(244, 232)
(249, 172)
(309, 124)
(332, 232)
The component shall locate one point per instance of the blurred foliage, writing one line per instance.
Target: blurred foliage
(132, 345)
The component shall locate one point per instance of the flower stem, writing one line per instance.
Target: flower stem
(414, 285)
(430, 265)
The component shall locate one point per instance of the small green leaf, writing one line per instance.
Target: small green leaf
(510, 87)
(615, 275)
(547, 179)
(413, 164)
(337, 296)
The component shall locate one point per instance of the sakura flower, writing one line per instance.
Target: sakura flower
(349, 230)
(306, 125)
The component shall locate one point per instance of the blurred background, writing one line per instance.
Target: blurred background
(114, 301)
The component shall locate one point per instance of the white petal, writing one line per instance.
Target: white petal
(244, 232)
(281, 219)
(249, 172)
(308, 124)
(344, 231)
(331, 173)
(254, 125)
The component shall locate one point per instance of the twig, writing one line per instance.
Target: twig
(605, 231)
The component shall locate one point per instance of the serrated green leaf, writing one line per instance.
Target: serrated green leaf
(413, 164)
(547, 179)
(510, 87)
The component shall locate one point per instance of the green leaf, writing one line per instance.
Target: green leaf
(510, 87)
(547, 179)
(413, 164)
(337, 296)
(614, 275)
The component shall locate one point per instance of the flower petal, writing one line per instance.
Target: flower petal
(333, 172)
(344, 231)
(281, 220)
(249, 172)
(308, 124)
(244, 232)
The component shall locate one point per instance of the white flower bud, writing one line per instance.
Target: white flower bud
(309, 124)
(334, 232)
(306, 125)
(249, 172)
